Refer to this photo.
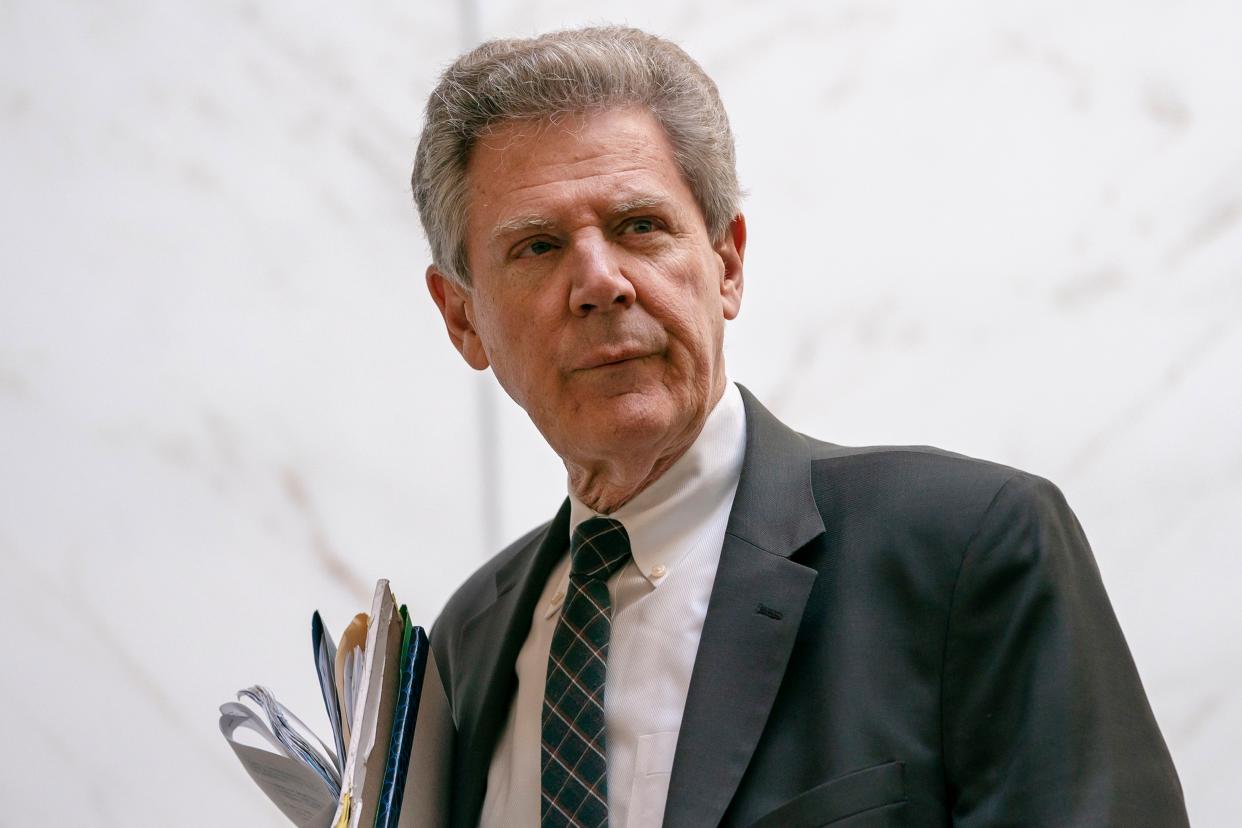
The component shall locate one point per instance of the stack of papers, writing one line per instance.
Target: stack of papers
(388, 765)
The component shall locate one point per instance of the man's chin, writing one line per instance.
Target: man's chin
(632, 421)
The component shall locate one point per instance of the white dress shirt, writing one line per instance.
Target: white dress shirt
(676, 527)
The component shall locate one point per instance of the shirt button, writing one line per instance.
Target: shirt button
(658, 571)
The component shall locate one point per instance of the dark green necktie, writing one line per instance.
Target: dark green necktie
(575, 769)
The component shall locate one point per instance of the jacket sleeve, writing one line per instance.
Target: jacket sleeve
(1045, 722)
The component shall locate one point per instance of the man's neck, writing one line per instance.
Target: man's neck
(606, 487)
(606, 484)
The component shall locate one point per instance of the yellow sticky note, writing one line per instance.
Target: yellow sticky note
(343, 822)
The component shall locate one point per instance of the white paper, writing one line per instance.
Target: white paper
(297, 791)
(302, 794)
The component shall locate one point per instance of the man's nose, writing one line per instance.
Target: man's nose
(598, 283)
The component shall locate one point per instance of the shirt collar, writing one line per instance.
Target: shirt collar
(666, 519)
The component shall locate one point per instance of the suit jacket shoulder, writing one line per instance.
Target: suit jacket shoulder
(932, 498)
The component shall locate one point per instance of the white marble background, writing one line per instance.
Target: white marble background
(1013, 230)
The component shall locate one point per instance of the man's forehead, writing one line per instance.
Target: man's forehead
(545, 145)
(585, 167)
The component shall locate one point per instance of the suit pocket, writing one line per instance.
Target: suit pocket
(840, 798)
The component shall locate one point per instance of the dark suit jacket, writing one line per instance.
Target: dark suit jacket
(896, 636)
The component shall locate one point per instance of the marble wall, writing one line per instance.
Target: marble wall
(1013, 230)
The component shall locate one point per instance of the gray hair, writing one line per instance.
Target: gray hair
(562, 73)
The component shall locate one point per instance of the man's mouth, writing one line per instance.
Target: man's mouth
(607, 357)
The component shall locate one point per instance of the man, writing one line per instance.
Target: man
(728, 622)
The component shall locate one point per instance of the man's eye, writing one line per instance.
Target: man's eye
(639, 225)
(536, 248)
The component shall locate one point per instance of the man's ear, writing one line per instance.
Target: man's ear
(732, 249)
(457, 307)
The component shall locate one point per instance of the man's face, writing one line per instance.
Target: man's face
(598, 298)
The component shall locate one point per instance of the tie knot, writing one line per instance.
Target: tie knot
(599, 547)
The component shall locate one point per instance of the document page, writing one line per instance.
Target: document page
(298, 791)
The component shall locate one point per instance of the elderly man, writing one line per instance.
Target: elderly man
(729, 623)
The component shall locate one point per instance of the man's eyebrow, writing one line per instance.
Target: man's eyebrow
(521, 223)
(634, 204)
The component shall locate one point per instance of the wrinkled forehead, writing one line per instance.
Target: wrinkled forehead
(609, 161)
(567, 131)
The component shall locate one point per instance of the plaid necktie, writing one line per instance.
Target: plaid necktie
(575, 771)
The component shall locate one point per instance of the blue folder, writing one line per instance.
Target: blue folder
(414, 649)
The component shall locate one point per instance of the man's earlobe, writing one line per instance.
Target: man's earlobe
(456, 306)
(732, 250)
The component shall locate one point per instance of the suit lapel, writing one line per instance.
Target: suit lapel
(752, 621)
(491, 640)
